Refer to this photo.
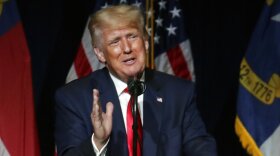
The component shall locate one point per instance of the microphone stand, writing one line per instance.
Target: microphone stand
(136, 88)
(135, 123)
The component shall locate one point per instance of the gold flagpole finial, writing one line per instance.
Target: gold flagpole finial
(1, 5)
(269, 2)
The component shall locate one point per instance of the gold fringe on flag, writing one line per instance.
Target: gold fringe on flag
(246, 139)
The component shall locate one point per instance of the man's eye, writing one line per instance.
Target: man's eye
(133, 36)
(113, 43)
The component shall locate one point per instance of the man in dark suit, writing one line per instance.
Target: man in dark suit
(169, 121)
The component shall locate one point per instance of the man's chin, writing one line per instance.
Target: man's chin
(135, 76)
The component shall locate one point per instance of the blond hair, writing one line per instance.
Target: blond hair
(114, 17)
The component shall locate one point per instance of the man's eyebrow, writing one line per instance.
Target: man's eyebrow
(113, 39)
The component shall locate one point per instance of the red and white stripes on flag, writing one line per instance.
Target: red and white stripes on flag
(177, 61)
(85, 61)
(3, 149)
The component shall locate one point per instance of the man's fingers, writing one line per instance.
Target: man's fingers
(96, 108)
(98, 117)
(102, 122)
(109, 109)
(95, 95)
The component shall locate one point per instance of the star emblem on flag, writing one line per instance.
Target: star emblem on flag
(276, 17)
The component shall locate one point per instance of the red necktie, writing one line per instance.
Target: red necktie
(129, 122)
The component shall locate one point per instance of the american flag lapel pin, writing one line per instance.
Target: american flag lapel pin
(159, 99)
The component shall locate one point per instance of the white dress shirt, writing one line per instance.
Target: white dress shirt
(124, 99)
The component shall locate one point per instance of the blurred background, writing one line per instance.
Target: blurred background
(219, 33)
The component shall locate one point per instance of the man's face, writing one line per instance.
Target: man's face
(124, 51)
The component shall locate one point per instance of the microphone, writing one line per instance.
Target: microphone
(135, 86)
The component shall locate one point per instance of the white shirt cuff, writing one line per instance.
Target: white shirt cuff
(102, 151)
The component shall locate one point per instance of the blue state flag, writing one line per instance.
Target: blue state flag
(258, 106)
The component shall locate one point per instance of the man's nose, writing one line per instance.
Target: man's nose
(126, 46)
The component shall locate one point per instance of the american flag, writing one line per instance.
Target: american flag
(170, 50)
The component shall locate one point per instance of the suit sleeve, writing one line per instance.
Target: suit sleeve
(72, 126)
(196, 140)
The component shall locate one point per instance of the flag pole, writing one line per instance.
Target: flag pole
(147, 26)
(152, 36)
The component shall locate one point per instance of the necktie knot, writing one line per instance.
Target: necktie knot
(125, 90)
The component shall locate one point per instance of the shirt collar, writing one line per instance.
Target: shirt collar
(120, 85)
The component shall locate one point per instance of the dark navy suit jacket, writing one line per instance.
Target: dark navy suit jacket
(171, 125)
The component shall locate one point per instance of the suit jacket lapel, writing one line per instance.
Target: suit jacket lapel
(153, 107)
(118, 142)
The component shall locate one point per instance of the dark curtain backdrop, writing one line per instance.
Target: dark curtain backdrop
(219, 34)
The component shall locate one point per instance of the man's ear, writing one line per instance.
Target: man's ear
(99, 54)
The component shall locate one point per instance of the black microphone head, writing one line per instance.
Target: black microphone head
(135, 86)
(130, 84)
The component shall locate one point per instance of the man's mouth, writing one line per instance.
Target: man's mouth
(129, 61)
